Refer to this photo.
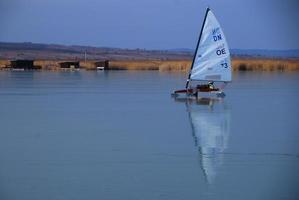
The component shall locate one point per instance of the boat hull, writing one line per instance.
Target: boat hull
(199, 93)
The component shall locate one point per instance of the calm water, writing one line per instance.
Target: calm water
(119, 135)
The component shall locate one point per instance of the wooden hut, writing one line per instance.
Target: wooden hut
(102, 65)
(69, 65)
(23, 65)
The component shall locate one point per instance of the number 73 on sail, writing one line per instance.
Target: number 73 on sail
(211, 65)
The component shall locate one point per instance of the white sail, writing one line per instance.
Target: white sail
(212, 60)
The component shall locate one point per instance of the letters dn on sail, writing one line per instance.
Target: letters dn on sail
(216, 35)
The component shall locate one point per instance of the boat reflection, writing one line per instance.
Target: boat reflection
(210, 123)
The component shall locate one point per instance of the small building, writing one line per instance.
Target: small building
(23, 65)
(102, 65)
(69, 65)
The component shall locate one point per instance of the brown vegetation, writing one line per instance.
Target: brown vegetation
(239, 64)
(4, 63)
(181, 65)
(264, 64)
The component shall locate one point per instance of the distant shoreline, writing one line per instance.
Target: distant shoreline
(50, 57)
(238, 64)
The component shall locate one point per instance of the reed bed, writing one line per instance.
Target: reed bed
(182, 65)
(238, 64)
(262, 64)
(4, 63)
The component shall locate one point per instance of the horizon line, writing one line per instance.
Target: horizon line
(141, 48)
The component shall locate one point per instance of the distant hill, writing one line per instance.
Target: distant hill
(76, 52)
(30, 50)
(294, 53)
(266, 53)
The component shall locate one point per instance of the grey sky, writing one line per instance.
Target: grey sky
(151, 24)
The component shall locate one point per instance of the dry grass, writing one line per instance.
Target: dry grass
(239, 64)
(4, 63)
(48, 64)
(151, 65)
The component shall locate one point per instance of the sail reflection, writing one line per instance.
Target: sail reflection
(210, 123)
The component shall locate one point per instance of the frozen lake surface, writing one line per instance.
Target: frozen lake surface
(119, 135)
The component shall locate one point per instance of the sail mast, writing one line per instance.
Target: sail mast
(194, 57)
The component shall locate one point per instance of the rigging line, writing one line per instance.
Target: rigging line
(198, 42)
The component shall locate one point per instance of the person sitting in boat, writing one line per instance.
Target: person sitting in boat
(209, 86)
